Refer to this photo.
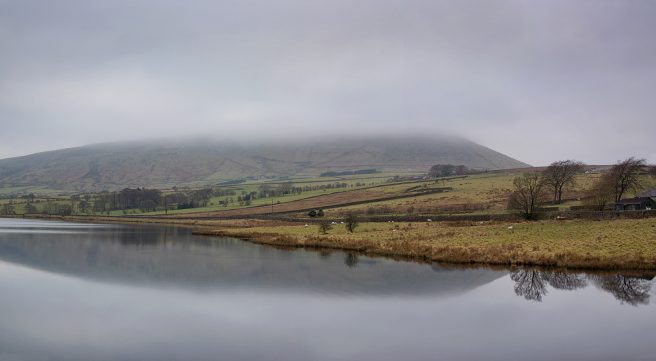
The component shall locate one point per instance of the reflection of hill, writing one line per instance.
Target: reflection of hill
(172, 257)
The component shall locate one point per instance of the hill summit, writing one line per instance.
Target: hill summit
(167, 163)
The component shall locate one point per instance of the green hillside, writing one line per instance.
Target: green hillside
(165, 164)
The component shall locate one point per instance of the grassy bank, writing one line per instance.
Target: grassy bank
(608, 244)
(612, 244)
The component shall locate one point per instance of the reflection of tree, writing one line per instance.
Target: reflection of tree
(529, 284)
(351, 260)
(632, 290)
(532, 283)
(564, 281)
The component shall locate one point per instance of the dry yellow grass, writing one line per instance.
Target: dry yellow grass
(626, 244)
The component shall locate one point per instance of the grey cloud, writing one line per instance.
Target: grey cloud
(577, 74)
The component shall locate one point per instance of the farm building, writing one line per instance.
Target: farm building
(636, 204)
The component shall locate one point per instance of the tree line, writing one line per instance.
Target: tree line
(151, 200)
(127, 199)
(531, 190)
(447, 170)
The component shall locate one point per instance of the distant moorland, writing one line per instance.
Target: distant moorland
(167, 164)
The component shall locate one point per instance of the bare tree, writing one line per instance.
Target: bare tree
(625, 176)
(351, 222)
(7, 209)
(324, 227)
(443, 170)
(560, 175)
(601, 194)
(611, 186)
(528, 195)
(30, 208)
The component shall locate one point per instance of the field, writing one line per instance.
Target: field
(621, 244)
(353, 183)
(475, 194)
(374, 194)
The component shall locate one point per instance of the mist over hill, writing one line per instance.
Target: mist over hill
(167, 163)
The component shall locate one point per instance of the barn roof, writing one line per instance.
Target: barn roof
(636, 200)
(649, 193)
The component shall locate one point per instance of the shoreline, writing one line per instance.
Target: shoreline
(239, 222)
(575, 244)
(528, 251)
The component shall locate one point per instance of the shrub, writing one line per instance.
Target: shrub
(324, 227)
(351, 222)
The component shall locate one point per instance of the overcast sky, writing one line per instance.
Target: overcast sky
(537, 80)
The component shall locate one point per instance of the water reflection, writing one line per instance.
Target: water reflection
(531, 283)
(631, 290)
(157, 293)
(351, 260)
(155, 256)
(171, 256)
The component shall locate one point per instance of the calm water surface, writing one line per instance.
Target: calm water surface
(112, 292)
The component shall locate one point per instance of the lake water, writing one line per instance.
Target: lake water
(114, 292)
